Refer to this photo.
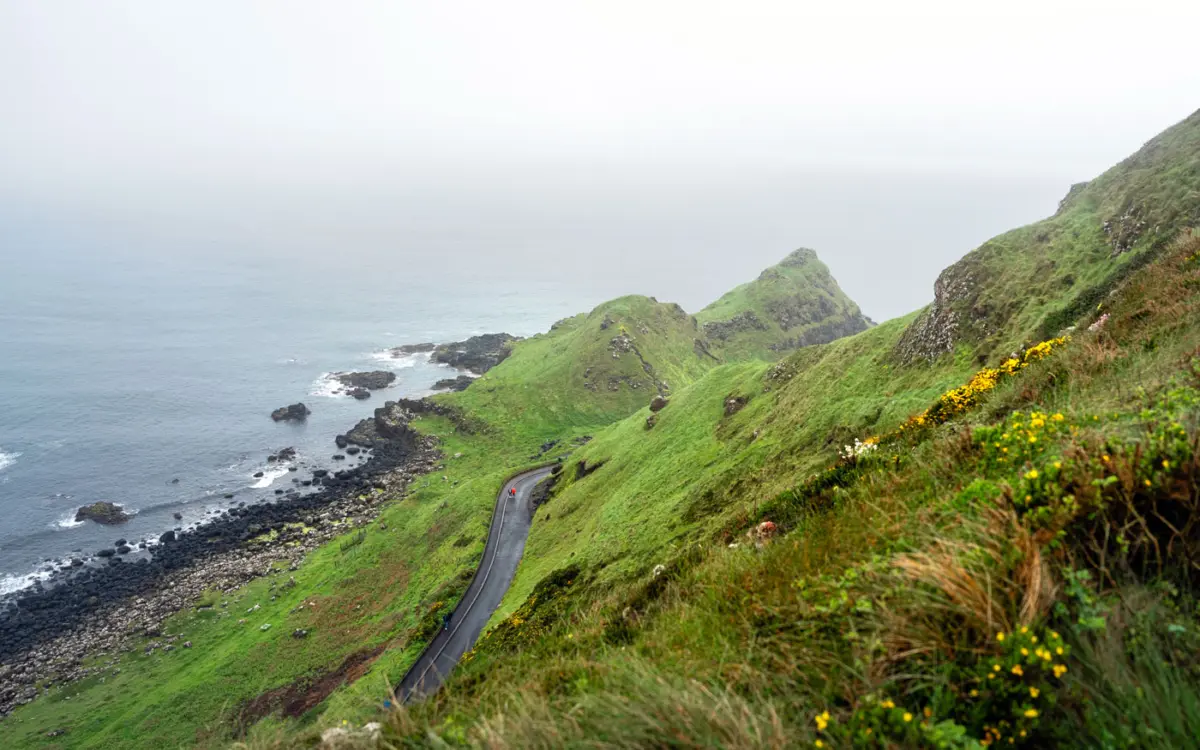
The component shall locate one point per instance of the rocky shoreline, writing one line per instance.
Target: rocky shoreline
(105, 607)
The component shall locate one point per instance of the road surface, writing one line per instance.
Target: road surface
(506, 541)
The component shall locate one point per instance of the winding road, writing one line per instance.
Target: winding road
(506, 542)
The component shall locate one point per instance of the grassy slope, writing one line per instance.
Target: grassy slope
(385, 590)
(699, 472)
(730, 648)
(799, 291)
(1034, 281)
(622, 517)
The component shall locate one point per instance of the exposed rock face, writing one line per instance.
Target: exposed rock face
(296, 412)
(390, 425)
(102, 512)
(744, 321)
(373, 380)
(454, 384)
(935, 332)
(824, 332)
(734, 404)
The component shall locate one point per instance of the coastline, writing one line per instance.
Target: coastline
(48, 630)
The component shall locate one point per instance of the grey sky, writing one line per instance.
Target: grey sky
(689, 143)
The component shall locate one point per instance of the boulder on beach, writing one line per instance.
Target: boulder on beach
(102, 512)
(373, 380)
(294, 412)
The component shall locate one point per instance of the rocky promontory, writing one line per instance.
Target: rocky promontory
(477, 354)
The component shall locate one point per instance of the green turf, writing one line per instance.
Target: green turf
(731, 647)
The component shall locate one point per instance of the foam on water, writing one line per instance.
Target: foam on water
(12, 583)
(402, 362)
(68, 522)
(269, 476)
(327, 387)
(7, 459)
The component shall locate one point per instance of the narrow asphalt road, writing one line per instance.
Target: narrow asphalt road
(505, 544)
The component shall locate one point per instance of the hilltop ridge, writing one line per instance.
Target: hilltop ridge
(793, 304)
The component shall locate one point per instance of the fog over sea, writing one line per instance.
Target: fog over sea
(141, 345)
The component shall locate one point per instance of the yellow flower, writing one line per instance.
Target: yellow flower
(1031, 713)
(822, 720)
(907, 716)
(1058, 464)
(1058, 650)
(1024, 652)
(1000, 637)
(1054, 634)
(888, 704)
(995, 667)
(1017, 670)
(1024, 629)
(1033, 692)
(1147, 481)
(974, 693)
(1033, 638)
(1033, 438)
(1059, 669)
(928, 712)
(818, 743)
(1058, 417)
(1033, 474)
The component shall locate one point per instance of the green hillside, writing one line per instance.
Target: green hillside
(970, 526)
(793, 304)
(591, 369)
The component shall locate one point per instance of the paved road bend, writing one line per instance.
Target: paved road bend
(505, 544)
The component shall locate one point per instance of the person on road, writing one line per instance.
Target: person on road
(512, 491)
(446, 621)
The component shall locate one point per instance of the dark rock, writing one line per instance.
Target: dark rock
(76, 562)
(293, 468)
(258, 475)
(299, 633)
(338, 457)
(658, 403)
(477, 354)
(178, 516)
(407, 349)
(744, 321)
(287, 454)
(175, 480)
(295, 412)
(362, 394)
(454, 384)
(341, 441)
(734, 404)
(124, 549)
(651, 421)
(102, 512)
(167, 537)
(106, 553)
(320, 472)
(119, 542)
(373, 380)
(353, 450)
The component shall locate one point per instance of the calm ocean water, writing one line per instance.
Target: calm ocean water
(120, 373)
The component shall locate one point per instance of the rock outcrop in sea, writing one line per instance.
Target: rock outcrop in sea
(297, 412)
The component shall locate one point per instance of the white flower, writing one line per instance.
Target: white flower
(659, 570)
(858, 450)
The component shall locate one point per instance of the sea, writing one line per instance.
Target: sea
(148, 380)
